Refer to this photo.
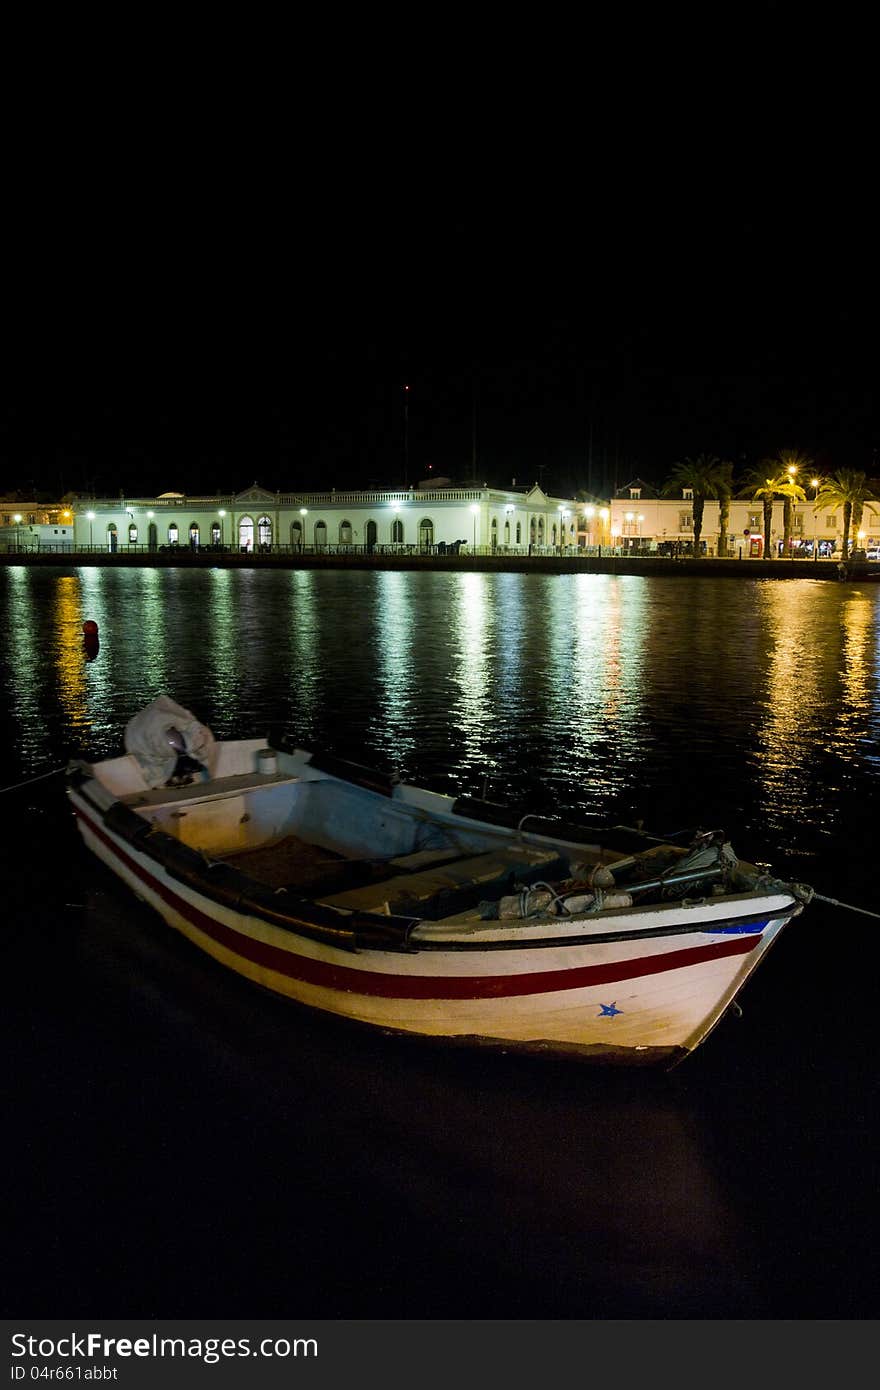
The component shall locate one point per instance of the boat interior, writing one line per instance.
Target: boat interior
(400, 850)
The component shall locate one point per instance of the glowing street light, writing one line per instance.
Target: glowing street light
(91, 517)
(17, 520)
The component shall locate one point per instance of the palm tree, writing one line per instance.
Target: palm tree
(789, 462)
(760, 486)
(846, 489)
(725, 492)
(701, 476)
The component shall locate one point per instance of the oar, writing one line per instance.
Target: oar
(849, 907)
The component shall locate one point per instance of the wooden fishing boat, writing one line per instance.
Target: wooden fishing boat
(418, 913)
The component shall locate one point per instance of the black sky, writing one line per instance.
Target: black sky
(598, 346)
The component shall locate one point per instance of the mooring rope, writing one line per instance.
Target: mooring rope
(16, 785)
(848, 906)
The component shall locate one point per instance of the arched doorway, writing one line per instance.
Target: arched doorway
(246, 533)
(345, 534)
(264, 533)
(194, 535)
(370, 533)
(426, 533)
(320, 535)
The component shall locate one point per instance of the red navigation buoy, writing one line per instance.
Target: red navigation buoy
(90, 627)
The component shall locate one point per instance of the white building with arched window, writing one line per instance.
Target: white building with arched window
(424, 518)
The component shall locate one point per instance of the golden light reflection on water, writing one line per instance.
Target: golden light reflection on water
(858, 673)
(68, 649)
(820, 687)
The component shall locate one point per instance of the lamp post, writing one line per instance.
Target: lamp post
(474, 511)
(91, 517)
(17, 520)
(814, 484)
(790, 470)
(563, 513)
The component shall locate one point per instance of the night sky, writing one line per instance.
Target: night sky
(597, 347)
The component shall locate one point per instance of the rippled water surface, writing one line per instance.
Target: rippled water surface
(470, 1187)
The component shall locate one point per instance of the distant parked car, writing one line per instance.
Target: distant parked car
(874, 553)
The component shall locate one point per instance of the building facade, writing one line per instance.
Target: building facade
(642, 522)
(424, 518)
(430, 517)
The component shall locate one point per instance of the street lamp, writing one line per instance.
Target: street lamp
(563, 513)
(474, 510)
(815, 484)
(790, 470)
(604, 514)
(17, 520)
(91, 517)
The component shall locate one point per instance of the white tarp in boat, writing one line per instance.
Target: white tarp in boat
(161, 733)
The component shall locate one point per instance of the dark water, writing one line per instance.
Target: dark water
(182, 1145)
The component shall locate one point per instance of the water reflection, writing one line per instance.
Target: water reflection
(471, 652)
(602, 672)
(23, 658)
(819, 700)
(395, 638)
(753, 702)
(672, 699)
(68, 645)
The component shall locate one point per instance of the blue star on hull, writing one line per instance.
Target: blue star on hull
(609, 1010)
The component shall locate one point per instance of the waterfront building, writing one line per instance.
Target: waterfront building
(642, 522)
(26, 524)
(431, 515)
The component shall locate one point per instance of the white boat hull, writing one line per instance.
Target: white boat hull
(635, 987)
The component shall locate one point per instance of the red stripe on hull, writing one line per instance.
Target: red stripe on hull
(388, 986)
